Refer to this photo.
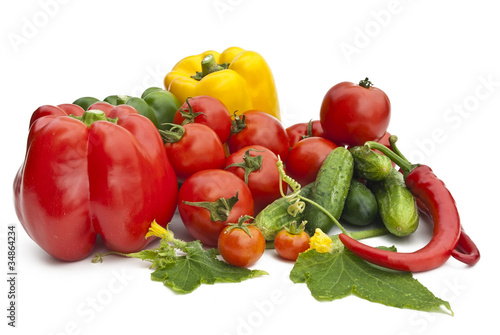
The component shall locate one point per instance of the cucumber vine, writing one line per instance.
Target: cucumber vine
(297, 201)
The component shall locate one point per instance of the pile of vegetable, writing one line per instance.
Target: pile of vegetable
(211, 145)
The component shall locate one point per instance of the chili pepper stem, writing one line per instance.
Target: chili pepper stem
(394, 154)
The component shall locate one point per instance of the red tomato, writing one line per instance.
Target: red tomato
(238, 248)
(210, 186)
(352, 114)
(198, 149)
(385, 140)
(206, 110)
(262, 178)
(289, 245)
(299, 131)
(256, 127)
(306, 157)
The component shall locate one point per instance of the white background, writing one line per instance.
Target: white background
(437, 61)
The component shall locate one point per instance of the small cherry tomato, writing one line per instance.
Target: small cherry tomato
(206, 110)
(241, 244)
(256, 165)
(192, 148)
(255, 127)
(300, 131)
(352, 114)
(306, 157)
(290, 242)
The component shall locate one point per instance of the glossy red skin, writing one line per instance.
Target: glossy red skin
(199, 149)
(210, 185)
(263, 183)
(60, 110)
(77, 182)
(297, 131)
(466, 251)
(215, 115)
(289, 246)
(351, 114)
(385, 140)
(435, 197)
(306, 157)
(239, 249)
(261, 129)
(103, 106)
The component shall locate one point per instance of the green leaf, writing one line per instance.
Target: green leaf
(331, 276)
(199, 266)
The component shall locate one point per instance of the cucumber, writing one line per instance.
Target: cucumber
(397, 206)
(330, 190)
(361, 206)
(370, 165)
(274, 216)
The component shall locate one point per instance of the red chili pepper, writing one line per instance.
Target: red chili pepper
(466, 250)
(436, 198)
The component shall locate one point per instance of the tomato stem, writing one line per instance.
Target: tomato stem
(241, 224)
(238, 123)
(174, 134)
(293, 229)
(366, 83)
(249, 164)
(309, 130)
(188, 114)
(219, 209)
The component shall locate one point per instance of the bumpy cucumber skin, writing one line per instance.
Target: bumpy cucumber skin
(273, 217)
(330, 190)
(397, 206)
(369, 165)
(361, 206)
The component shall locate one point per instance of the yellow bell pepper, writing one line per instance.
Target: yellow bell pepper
(240, 79)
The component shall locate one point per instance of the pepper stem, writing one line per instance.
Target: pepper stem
(394, 154)
(209, 65)
(92, 115)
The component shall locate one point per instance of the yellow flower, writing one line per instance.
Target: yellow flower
(321, 242)
(159, 231)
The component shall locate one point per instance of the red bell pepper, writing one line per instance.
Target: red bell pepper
(91, 173)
